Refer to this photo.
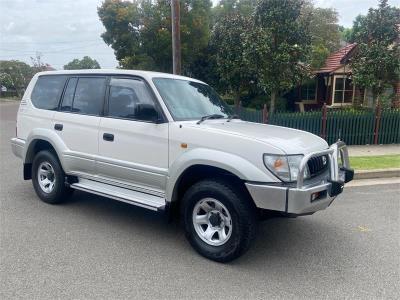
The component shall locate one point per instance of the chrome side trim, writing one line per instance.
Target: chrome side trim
(129, 165)
(116, 183)
(124, 195)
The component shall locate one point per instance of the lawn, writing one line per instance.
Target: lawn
(375, 162)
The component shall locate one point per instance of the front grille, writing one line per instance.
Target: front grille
(317, 165)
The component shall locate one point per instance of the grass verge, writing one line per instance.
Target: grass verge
(375, 162)
(8, 99)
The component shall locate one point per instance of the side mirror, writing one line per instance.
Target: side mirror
(148, 112)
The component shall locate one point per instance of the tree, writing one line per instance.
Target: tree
(376, 62)
(85, 63)
(346, 34)
(229, 42)
(140, 32)
(227, 7)
(279, 45)
(16, 75)
(37, 64)
(324, 30)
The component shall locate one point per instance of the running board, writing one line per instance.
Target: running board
(117, 193)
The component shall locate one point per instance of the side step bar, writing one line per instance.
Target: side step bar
(117, 193)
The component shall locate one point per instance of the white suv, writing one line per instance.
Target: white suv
(169, 143)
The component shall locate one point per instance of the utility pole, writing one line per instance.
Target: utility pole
(176, 36)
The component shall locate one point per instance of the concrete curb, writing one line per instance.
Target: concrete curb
(377, 173)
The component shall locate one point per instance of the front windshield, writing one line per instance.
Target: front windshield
(188, 100)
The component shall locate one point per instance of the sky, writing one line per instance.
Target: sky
(61, 30)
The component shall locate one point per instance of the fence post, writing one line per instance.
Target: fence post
(265, 114)
(324, 118)
(378, 114)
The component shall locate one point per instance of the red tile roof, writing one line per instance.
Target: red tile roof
(334, 61)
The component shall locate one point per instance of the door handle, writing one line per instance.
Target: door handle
(108, 137)
(58, 127)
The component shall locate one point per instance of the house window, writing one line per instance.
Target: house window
(308, 90)
(343, 90)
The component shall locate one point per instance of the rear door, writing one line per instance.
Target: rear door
(133, 141)
(77, 122)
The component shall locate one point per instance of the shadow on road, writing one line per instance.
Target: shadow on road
(280, 240)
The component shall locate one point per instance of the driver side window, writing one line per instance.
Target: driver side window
(130, 98)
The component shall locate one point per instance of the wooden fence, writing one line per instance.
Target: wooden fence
(355, 127)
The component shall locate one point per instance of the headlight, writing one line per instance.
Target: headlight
(285, 167)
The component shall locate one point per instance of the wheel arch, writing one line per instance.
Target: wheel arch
(35, 144)
(216, 162)
(197, 172)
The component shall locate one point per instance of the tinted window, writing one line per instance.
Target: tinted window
(131, 99)
(69, 94)
(89, 95)
(47, 91)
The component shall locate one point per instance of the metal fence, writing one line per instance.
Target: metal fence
(355, 127)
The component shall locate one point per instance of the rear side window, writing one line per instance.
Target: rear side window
(84, 95)
(47, 91)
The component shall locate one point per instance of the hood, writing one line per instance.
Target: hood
(290, 141)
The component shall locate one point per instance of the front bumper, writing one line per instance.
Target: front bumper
(18, 147)
(302, 197)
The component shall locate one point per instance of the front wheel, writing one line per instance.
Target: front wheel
(220, 220)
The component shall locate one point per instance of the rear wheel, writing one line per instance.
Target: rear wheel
(220, 220)
(48, 178)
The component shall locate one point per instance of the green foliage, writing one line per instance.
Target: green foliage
(229, 39)
(16, 75)
(324, 31)
(319, 53)
(227, 7)
(377, 60)
(85, 63)
(278, 45)
(140, 32)
(251, 49)
(346, 34)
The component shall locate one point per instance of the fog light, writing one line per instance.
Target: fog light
(318, 195)
(314, 196)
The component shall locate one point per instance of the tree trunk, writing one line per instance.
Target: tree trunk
(18, 93)
(374, 97)
(272, 106)
(237, 100)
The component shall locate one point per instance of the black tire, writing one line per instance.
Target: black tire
(241, 209)
(60, 192)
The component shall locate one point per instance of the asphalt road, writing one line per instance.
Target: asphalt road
(96, 248)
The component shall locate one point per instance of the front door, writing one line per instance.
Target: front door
(133, 143)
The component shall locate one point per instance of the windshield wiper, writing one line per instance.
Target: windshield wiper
(232, 117)
(208, 117)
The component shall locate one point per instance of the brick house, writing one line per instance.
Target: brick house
(332, 84)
